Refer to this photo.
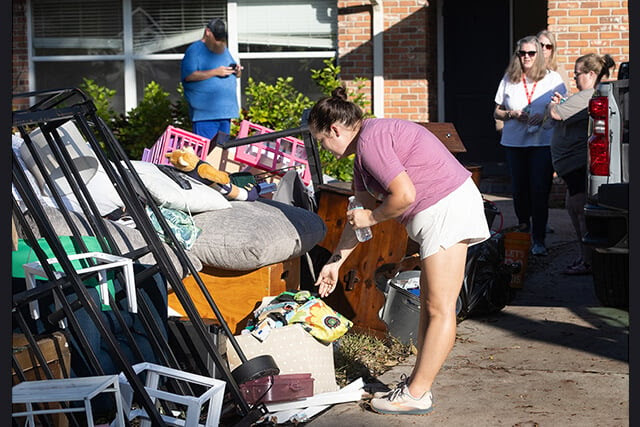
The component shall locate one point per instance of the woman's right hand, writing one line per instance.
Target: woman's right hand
(328, 278)
(557, 98)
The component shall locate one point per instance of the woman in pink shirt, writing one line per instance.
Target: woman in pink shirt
(419, 183)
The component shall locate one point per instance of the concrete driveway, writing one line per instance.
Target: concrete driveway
(552, 357)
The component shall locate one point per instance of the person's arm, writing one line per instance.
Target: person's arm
(329, 275)
(501, 113)
(402, 193)
(198, 75)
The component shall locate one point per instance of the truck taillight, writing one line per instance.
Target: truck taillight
(599, 141)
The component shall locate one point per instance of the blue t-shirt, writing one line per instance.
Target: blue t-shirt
(215, 97)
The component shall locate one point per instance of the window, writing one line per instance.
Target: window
(286, 38)
(126, 44)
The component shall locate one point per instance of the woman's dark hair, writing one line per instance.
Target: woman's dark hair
(601, 65)
(334, 109)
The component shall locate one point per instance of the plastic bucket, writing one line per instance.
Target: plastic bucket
(516, 251)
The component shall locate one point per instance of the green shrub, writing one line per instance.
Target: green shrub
(101, 97)
(328, 79)
(277, 106)
(141, 127)
(180, 111)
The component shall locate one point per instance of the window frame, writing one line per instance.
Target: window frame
(129, 57)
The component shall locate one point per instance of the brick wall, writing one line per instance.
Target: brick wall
(409, 54)
(20, 62)
(583, 27)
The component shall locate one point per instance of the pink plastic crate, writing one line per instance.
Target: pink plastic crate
(273, 155)
(175, 138)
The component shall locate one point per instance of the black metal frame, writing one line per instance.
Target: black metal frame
(52, 109)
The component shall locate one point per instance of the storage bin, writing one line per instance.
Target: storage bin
(276, 156)
(172, 139)
(401, 313)
(278, 388)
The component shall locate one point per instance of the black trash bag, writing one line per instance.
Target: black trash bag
(485, 288)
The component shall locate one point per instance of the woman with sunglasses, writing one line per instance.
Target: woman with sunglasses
(548, 42)
(569, 145)
(419, 183)
(521, 100)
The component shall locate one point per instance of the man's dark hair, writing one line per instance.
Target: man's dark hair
(218, 28)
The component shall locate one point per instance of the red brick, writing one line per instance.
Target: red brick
(609, 36)
(589, 20)
(578, 43)
(595, 12)
(568, 21)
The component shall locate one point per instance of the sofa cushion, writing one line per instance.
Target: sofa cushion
(126, 238)
(254, 234)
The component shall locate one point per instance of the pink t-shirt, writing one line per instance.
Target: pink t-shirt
(387, 147)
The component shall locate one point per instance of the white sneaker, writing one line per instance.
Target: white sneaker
(400, 402)
(404, 380)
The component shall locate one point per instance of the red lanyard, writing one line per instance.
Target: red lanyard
(526, 91)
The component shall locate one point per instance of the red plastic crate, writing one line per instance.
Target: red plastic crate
(278, 388)
(175, 138)
(273, 155)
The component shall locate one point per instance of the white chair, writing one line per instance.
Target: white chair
(214, 395)
(66, 390)
(103, 261)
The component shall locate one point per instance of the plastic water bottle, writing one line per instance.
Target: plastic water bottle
(363, 234)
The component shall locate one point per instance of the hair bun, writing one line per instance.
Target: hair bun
(340, 92)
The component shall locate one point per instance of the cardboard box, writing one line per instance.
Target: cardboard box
(295, 351)
(55, 351)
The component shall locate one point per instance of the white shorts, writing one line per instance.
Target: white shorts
(459, 216)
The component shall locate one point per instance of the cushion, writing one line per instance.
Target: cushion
(255, 234)
(126, 238)
(100, 184)
(166, 192)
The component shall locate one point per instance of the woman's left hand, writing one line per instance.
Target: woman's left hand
(327, 279)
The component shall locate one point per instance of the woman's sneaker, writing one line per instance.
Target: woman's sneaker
(400, 402)
(538, 249)
(404, 380)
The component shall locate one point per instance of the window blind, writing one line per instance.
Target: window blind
(96, 27)
(76, 27)
(169, 26)
(288, 23)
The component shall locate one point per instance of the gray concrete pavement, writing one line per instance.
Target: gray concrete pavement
(552, 357)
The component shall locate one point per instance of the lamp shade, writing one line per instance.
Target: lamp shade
(79, 150)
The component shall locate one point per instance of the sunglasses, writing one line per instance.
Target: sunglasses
(548, 46)
(530, 53)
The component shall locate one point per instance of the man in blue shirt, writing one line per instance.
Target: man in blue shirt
(209, 73)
